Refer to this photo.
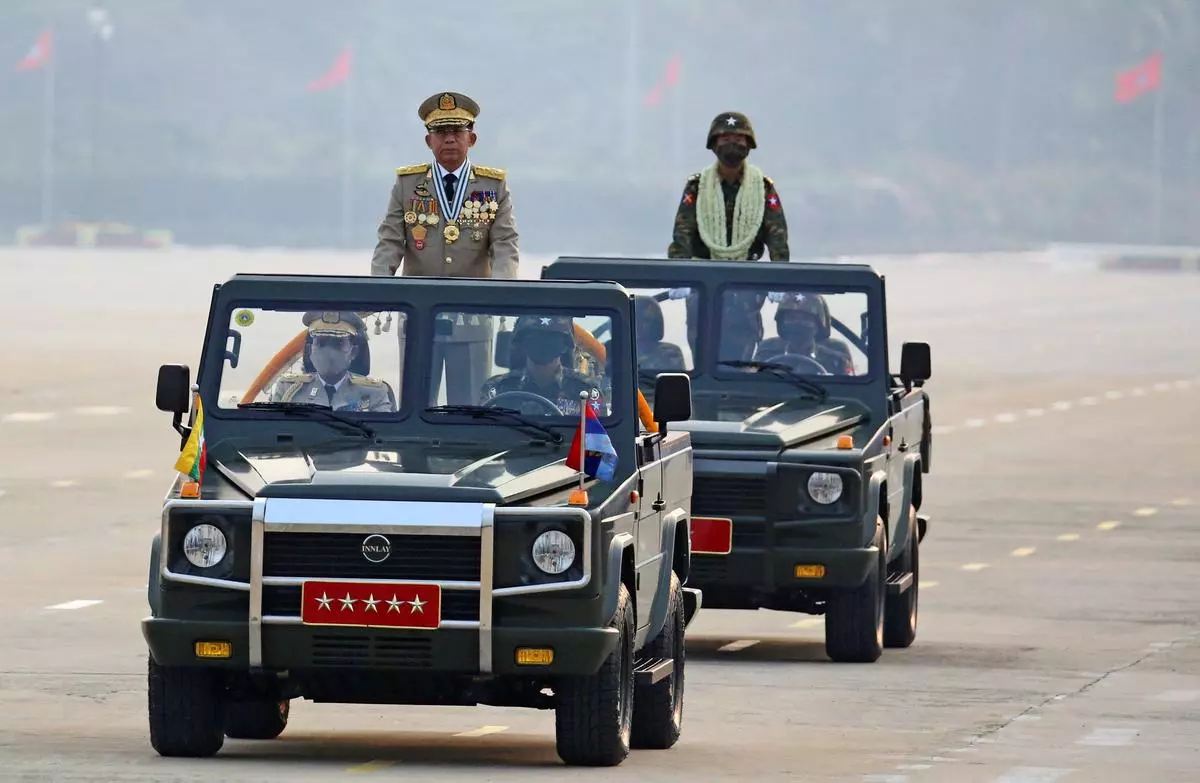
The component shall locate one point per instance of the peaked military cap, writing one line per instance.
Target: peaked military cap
(731, 122)
(448, 110)
(334, 323)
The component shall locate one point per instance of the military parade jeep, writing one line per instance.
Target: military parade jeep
(809, 452)
(339, 532)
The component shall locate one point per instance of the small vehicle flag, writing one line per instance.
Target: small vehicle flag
(195, 450)
(600, 458)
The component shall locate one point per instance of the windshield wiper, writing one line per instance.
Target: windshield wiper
(509, 416)
(326, 414)
(782, 371)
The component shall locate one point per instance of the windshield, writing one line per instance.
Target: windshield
(663, 341)
(537, 362)
(347, 360)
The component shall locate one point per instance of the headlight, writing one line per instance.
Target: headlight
(553, 551)
(204, 545)
(825, 488)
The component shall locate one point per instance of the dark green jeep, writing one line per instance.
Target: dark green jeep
(349, 533)
(809, 452)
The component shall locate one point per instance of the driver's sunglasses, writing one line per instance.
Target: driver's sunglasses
(329, 341)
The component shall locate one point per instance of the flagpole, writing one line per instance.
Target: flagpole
(676, 130)
(583, 403)
(48, 135)
(347, 125)
(631, 82)
(1159, 126)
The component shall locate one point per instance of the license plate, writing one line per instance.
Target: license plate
(712, 536)
(397, 605)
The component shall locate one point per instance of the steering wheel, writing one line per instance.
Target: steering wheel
(800, 363)
(525, 396)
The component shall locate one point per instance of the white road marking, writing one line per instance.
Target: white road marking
(62, 483)
(1088, 401)
(974, 566)
(1113, 395)
(1183, 384)
(1178, 696)
(482, 731)
(1061, 405)
(1024, 718)
(1005, 418)
(972, 424)
(1145, 512)
(914, 767)
(942, 429)
(885, 778)
(1033, 775)
(28, 417)
(100, 410)
(1161, 645)
(1181, 502)
(77, 604)
(1033, 413)
(1111, 524)
(740, 644)
(1160, 387)
(1069, 537)
(1138, 392)
(1109, 738)
(139, 474)
(808, 622)
(1024, 551)
(926, 585)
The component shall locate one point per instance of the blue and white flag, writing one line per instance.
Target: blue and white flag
(599, 458)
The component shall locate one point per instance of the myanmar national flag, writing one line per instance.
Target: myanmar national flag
(195, 451)
(600, 458)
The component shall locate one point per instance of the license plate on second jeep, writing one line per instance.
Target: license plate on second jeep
(712, 536)
(371, 605)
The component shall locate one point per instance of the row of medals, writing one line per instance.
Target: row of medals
(477, 213)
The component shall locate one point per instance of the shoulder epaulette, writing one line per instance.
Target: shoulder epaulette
(364, 380)
(296, 377)
(695, 177)
(487, 171)
(768, 180)
(416, 168)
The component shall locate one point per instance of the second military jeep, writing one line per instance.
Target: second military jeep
(810, 454)
(339, 532)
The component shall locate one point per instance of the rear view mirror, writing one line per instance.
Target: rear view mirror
(672, 398)
(174, 388)
(914, 363)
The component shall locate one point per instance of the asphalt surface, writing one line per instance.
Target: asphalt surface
(1059, 635)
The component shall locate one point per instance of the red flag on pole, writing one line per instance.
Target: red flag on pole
(670, 79)
(38, 55)
(1142, 78)
(339, 73)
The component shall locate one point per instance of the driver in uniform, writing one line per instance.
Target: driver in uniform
(334, 342)
(803, 324)
(547, 344)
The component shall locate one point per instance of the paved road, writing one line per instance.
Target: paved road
(1059, 638)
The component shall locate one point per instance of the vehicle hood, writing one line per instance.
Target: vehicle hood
(781, 426)
(409, 471)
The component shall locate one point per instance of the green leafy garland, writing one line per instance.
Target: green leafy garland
(747, 212)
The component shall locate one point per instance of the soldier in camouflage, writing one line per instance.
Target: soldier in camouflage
(804, 327)
(546, 347)
(335, 341)
(653, 353)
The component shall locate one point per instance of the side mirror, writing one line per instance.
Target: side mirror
(174, 388)
(672, 398)
(914, 363)
(503, 351)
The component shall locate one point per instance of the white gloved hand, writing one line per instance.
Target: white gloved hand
(678, 293)
(776, 296)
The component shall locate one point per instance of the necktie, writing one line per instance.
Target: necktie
(449, 181)
(330, 390)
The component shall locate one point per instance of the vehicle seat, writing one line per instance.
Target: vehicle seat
(653, 352)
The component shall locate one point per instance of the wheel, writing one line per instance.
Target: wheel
(854, 618)
(261, 720)
(594, 717)
(186, 710)
(658, 708)
(900, 611)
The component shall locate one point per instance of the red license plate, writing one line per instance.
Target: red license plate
(377, 605)
(712, 536)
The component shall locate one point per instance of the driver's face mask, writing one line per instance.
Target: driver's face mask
(331, 355)
(543, 350)
(732, 153)
(798, 330)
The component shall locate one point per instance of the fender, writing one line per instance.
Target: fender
(662, 593)
(616, 550)
(903, 529)
(154, 582)
(870, 518)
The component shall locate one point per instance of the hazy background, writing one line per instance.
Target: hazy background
(889, 126)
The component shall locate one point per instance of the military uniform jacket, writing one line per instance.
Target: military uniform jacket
(356, 393)
(772, 235)
(564, 393)
(486, 245)
(832, 354)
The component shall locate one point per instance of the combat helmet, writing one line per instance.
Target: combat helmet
(810, 304)
(731, 122)
(558, 325)
(648, 316)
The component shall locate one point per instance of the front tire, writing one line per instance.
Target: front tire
(854, 618)
(256, 720)
(593, 720)
(658, 708)
(186, 710)
(900, 612)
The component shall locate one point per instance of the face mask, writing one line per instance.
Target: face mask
(330, 362)
(543, 351)
(732, 154)
(798, 332)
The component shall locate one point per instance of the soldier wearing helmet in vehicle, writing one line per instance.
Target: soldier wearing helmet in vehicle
(335, 366)
(803, 324)
(543, 350)
(653, 352)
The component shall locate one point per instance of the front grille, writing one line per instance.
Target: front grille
(751, 535)
(372, 650)
(719, 496)
(456, 604)
(339, 555)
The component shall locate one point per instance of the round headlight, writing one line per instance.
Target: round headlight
(204, 545)
(825, 488)
(553, 551)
